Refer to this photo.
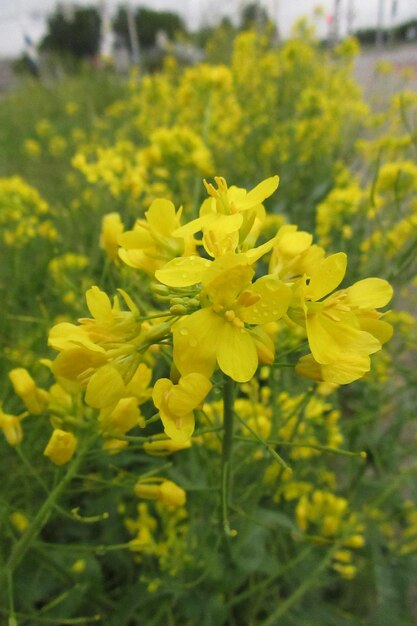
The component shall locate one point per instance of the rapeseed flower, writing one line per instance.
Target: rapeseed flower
(177, 402)
(153, 242)
(344, 328)
(104, 353)
(223, 329)
(229, 215)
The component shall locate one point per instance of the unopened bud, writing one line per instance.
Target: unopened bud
(160, 290)
(178, 309)
(171, 494)
(34, 399)
(156, 333)
(61, 447)
(10, 424)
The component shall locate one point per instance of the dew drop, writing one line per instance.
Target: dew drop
(183, 332)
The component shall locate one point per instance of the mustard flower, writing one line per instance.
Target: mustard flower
(111, 229)
(153, 242)
(344, 328)
(104, 353)
(177, 402)
(222, 330)
(228, 216)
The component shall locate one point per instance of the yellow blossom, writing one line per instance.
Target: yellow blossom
(177, 402)
(103, 353)
(221, 331)
(153, 241)
(344, 328)
(228, 216)
(111, 229)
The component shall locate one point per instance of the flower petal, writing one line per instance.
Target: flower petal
(70, 364)
(98, 303)
(195, 342)
(104, 388)
(179, 428)
(369, 293)
(326, 276)
(225, 287)
(188, 394)
(183, 271)
(383, 331)
(161, 388)
(344, 372)
(236, 353)
(274, 299)
(330, 341)
(161, 217)
(258, 194)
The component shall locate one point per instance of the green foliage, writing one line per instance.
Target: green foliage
(75, 31)
(148, 23)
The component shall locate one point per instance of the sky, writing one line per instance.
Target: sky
(19, 17)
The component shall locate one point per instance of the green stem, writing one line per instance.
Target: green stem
(228, 401)
(22, 546)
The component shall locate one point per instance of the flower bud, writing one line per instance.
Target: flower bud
(61, 447)
(171, 494)
(24, 386)
(12, 430)
(165, 446)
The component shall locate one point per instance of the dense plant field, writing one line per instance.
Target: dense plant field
(208, 382)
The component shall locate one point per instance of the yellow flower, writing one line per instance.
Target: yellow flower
(61, 447)
(177, 402)
(293, 255)
(221, 331)
(152, 242)
(344, 328)
(111, 229)
(229, 215)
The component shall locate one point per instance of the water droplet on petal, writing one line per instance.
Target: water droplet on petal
(183, 332)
